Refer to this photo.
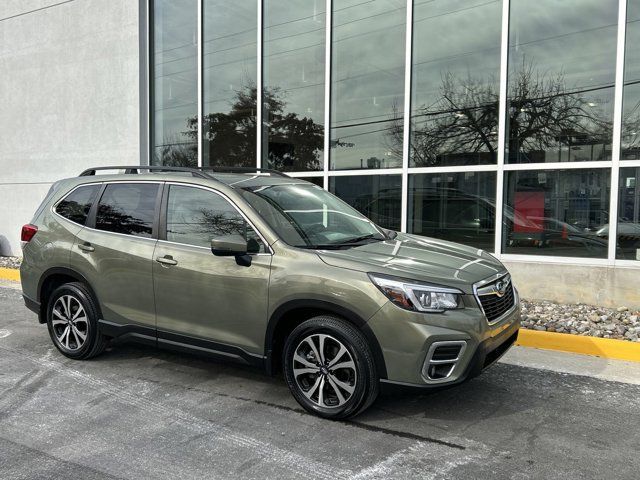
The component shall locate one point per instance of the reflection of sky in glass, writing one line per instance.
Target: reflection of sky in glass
(631, 95)
(293, 69)
(368, 52)
(563, 51)
(174, 74)
(456, 67)
(229, 65)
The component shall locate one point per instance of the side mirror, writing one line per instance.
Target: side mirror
(229, 246)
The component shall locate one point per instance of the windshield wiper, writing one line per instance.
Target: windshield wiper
(359, 239)
(351, 242)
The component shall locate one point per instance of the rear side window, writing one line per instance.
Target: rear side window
(77, 204)
(128, 208)
(195, 216)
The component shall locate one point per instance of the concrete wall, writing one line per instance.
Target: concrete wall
(69, 97)
(605, 286)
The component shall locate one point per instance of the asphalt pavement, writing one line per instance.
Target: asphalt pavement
(136, 413)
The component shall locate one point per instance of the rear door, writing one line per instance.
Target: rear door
(115, 251)
(201, 299)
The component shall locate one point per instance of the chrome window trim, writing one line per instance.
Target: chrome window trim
(233, 204)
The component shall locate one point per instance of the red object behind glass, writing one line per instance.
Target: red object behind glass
(528, 205)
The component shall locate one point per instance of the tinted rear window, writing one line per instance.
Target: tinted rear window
(128, 208)
(77, 204)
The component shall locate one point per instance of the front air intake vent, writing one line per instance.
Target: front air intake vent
(442, 359)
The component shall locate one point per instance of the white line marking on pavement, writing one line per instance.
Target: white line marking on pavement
(5, 333)
(270, 453)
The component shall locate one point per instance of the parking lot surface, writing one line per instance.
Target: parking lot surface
(136, 412)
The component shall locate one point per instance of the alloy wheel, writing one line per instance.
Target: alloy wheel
(324, 370)
(70, 323)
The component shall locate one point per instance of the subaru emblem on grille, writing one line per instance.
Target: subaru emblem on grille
(501, 288)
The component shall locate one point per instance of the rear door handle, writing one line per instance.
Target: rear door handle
(167, 260)
(86, 247)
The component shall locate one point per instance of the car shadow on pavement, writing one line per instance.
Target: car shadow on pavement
(501, 390)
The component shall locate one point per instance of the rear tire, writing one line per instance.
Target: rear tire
(329, 368)
(72, 320)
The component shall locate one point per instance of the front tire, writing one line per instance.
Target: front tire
(72, 320)
(329, 368)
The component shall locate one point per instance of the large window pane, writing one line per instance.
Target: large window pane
(128, 208)
(557, 212)
(376, 196)
(459, 207)
(196, 216)
(367, 87)
(229, 75)
(628, 215)
(455, 84)
(293, 81)
(562, 57)
(631, 96)
(174, 97)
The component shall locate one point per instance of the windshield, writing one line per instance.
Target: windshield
(307, 216)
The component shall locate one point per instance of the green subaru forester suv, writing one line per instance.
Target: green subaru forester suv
(259, 268)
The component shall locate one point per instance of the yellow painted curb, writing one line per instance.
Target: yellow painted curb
(600, 347)
(10, 274)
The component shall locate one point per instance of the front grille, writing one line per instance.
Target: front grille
(496, 298)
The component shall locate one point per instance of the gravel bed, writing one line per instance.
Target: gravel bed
(620, 323)
(10, 262)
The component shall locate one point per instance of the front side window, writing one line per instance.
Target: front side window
(128, 208)
(76, 205)
(196, 216)
(307, 216)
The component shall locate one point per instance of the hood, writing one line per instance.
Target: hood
(419, 258)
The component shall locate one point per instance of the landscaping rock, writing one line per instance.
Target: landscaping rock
(578, 319)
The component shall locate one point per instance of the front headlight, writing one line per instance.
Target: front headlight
(416, 296)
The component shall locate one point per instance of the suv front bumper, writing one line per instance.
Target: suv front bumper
(406, 339)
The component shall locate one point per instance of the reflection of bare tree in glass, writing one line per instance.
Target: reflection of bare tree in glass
(114, 219)
(543, 116)
(221, 224)
(293, 142)
(175, 152)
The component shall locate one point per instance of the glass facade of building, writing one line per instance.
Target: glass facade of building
(507, 125)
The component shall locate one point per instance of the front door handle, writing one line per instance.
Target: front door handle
(86, 247)
(167, 260)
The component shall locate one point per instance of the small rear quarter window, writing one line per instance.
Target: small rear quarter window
(77, 204)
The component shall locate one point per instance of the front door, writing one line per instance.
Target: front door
(212, 303)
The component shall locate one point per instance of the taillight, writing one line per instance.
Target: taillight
(28, 231)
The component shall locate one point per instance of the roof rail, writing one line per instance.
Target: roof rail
(223, 169)
(133, 169)
(195, 171)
